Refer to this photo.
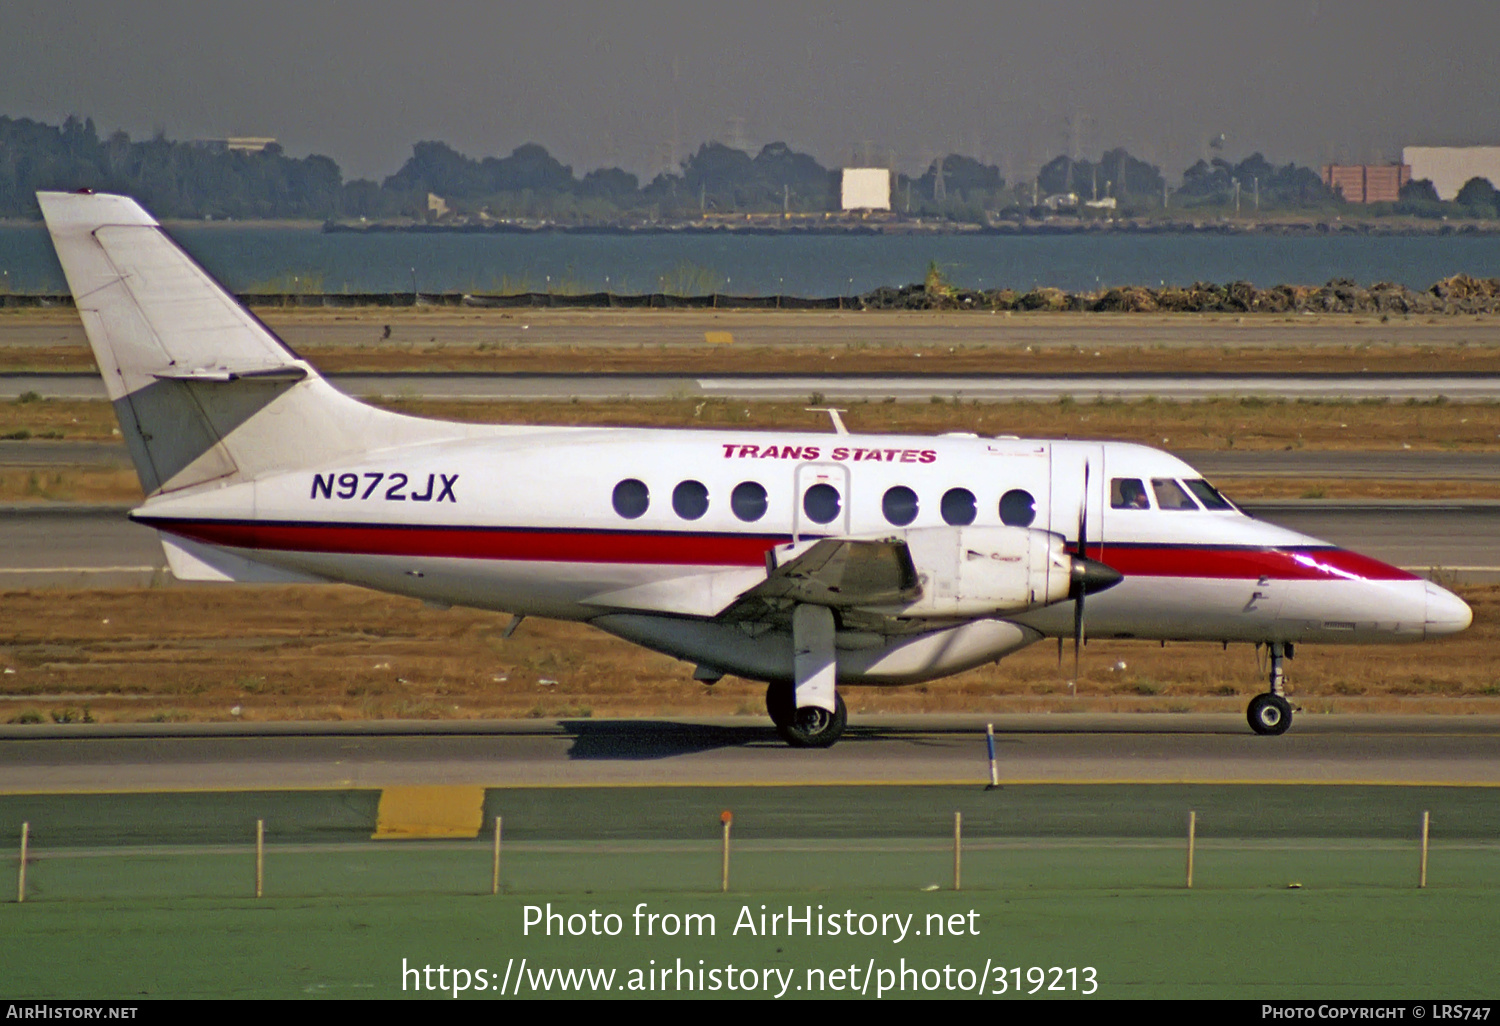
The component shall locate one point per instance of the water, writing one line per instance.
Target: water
(251, 259)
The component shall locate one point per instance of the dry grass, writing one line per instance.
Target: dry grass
(1212, 424)
(970, 358)
(29, 419)
(69, 484)
(598, 341)
(200, 652)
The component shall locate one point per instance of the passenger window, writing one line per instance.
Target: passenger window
(958, 507)
(690, 500)
(1128, 493)
(821, 503)
(1208, 494)
(631, 498)
(748, 500)
(1169, 494)
(899, 505)
(1017, 508)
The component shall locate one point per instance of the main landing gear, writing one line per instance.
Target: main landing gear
(809, 726)
(1271, 713)
(808, 711)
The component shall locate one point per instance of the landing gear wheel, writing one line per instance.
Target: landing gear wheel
(781, 704)
(809, 726)
(1269, 714)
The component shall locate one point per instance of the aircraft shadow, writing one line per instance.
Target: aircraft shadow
(663, 739)
(659, 739)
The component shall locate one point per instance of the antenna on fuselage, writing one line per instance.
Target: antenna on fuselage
(838, 422)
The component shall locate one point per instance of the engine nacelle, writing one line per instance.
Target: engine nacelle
(976, 571)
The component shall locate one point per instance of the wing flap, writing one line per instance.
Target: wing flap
(841, 573)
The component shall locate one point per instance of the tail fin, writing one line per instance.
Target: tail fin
(203, 390)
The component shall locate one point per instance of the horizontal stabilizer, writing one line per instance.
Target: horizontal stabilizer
(225, 374)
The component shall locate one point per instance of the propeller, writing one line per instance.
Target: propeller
(1079, 585)
(1087, 576)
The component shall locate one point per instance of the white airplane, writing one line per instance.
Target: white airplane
(803, 560)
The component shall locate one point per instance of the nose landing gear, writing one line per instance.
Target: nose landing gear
(1271, 713)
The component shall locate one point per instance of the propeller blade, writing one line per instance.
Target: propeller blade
(1077, 632)
(1082, 583)
(1083, 516)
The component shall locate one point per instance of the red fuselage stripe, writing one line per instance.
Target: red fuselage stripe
(1293, 564)
(732, 550)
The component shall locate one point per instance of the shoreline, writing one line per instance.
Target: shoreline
(1457, 294)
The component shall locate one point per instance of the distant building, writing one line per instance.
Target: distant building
(866, 188)
(1448, 168)
(437, 207)
(1367, 183)
(237, 144)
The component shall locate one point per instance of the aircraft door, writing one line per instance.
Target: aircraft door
(820, 500)
(1072, 464)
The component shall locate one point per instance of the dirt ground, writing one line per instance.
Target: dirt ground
(208, 652)
(706, 342)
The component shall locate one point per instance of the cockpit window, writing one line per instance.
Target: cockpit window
(1208, 494)
(1169, 494)
(1128, 493)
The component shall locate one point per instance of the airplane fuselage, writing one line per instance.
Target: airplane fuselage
(531, 522)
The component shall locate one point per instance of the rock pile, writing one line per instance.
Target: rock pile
(1459, 294)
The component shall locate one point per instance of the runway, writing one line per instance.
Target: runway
(1456, 387)
(741, 752)
(62, 545)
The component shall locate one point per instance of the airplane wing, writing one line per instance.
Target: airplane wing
(842, 573)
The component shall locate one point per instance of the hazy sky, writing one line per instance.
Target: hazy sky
(616, 83)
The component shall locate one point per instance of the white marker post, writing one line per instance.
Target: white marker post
(958, 848)
(260, 856)
(1422, 878)
(495, 880)
(21, 873)
(989, 739)
(1192, 844)
(727, 818)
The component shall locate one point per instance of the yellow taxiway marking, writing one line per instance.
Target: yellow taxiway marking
(424, 813)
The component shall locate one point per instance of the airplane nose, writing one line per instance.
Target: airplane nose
(1446, 612)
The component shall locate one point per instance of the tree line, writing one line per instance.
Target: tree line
(177, 179)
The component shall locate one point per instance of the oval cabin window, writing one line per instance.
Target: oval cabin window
(631, 498)
(899, 505)
(959, 507)
(821, 503)
(690, 500)
(748, 500)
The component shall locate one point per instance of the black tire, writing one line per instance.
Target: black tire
(781, 704)
(1269, 714)
(809, 726)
